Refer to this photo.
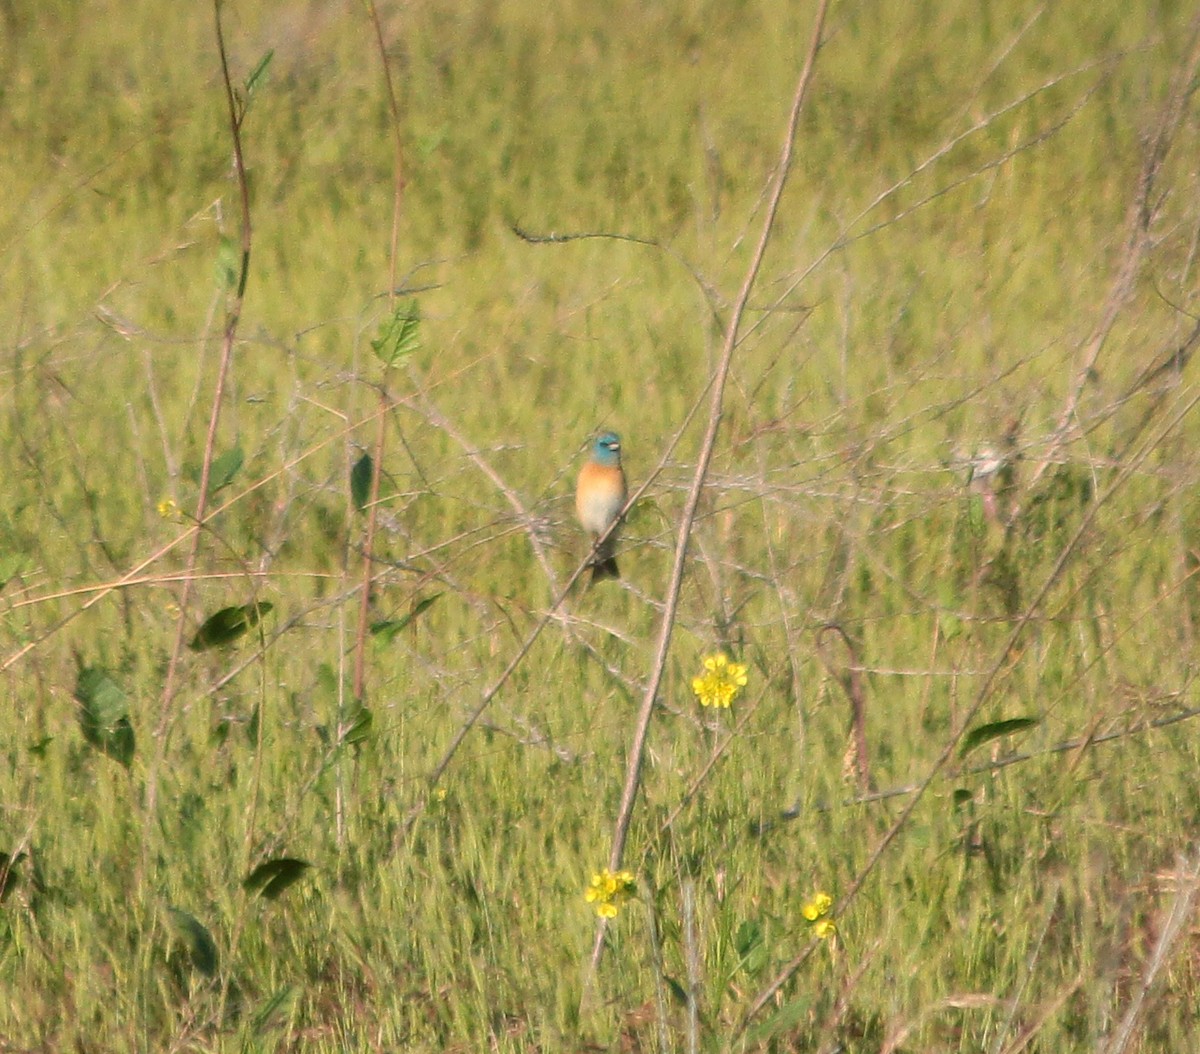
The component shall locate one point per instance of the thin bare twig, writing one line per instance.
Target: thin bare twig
(716, 399)
(1142, 212)
(550, 615)
(427, 409)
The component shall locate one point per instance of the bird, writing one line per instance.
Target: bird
(599, 498)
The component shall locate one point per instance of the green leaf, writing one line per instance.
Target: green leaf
(226, 625)
(399, 334)
(273, 877)
(356, 727)
(750, 943)
(360, 481)
(356, 722)
(749, 934)
(224, 469)
(678, 992)
(104, 715)
(258, 72)
(390, 628)
(194, 936)
(962, 797)
(994, 730)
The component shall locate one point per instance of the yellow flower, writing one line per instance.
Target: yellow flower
(609, 890)
(168, 509)
(721, 681)
(818, 906)
(817, 911)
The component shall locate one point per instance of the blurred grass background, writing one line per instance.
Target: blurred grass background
(956, 218)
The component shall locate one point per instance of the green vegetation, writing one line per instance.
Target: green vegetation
(952, 492)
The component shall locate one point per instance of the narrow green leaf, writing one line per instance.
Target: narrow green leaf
(389, 629)
(678, 992)
(360, 481)
(194, 936)
(399, 334)
(994, 730)
(224, 469)
(270, 879)
(225, 626)
(104, 715)
(258, 72)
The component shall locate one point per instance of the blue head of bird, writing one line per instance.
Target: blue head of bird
(607, 449)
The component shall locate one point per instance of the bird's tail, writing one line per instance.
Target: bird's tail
(604, 562)
(604, 567)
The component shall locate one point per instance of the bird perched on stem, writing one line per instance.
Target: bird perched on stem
(599, 498)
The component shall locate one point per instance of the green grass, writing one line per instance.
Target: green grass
(956, 216)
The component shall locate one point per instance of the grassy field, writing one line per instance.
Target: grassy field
(953, 492)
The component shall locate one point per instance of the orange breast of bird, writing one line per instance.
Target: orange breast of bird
(599, 496)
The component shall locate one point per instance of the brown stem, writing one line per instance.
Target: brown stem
(233, 316)
(633, 773)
